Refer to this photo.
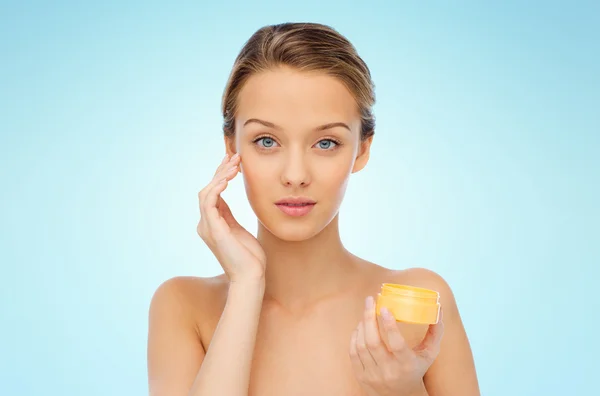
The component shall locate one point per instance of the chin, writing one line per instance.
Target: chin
(290, 232)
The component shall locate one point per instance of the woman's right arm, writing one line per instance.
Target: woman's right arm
(177, 362)
(226, 367)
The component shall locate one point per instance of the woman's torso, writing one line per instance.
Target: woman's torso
(304, 353)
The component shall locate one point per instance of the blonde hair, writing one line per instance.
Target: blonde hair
(308, 47)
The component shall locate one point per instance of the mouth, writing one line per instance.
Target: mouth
(295, 206)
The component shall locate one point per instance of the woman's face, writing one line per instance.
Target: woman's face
(295, 173)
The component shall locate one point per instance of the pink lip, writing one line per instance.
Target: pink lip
(295, 206)
(295, 210)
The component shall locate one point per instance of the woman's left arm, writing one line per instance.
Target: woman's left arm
(441, 365)
(453, 371)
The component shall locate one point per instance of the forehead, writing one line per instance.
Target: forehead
(292, 98)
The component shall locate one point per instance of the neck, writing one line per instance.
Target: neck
(299, 274)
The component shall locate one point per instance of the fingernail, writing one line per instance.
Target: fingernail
(369, 302)
(387, 315)
(235, 155)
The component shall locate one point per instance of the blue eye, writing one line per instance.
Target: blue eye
(326, 144)
(267, 142)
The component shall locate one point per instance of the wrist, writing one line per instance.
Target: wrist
(420, 390)
(254, 286)
(251, 278)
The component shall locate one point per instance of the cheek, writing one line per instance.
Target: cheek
(333, 177)
(258, 176)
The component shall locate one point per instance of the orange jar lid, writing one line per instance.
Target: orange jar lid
(409, 304)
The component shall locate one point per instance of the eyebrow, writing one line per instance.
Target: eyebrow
(319, 128)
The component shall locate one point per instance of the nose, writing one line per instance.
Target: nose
(295, 172)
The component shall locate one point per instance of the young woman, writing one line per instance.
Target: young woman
(293, 313)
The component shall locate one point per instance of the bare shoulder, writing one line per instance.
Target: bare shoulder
(191, 304)
(181, 310)
(184, 290)
(453, 372)
(189, 296)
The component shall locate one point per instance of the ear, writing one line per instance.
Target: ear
(364, 153)
(230, 148)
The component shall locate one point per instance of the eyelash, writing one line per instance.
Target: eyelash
(337, 142)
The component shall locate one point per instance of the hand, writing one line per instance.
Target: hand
(238, 251)
(383, 362)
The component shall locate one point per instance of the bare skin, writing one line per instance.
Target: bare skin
(280, 320)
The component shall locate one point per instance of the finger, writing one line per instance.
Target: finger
(218, 186)
(230, 169)
(430, 346)
(216, 178)
(208, 210)
(383, 331)
(363, 350)
(214, 221)
(372, 337)
(211, 199)
(354, 358)
(225, 212)
(397, 345)
(228, 172)
(224, 163)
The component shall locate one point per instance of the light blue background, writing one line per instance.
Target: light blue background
(484, 168)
